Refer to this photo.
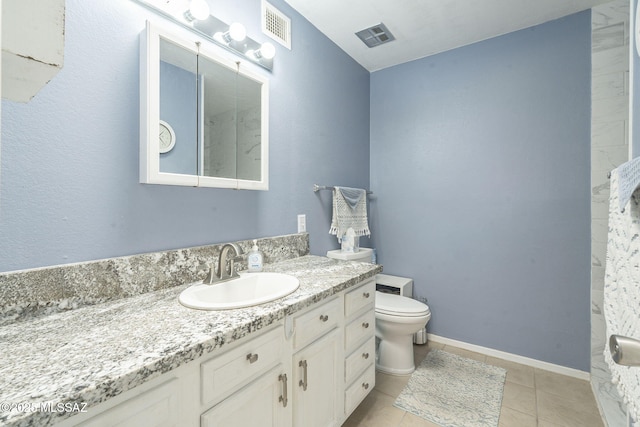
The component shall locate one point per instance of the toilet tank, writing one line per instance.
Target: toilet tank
(394, 285)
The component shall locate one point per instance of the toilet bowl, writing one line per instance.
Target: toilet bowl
(397, 319)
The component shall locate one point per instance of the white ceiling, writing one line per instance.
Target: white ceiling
(426, 27)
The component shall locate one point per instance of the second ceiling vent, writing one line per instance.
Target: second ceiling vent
(376, 35)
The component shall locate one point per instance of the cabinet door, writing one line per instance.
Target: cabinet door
(157, 407)
(316, 380)
(263, 403)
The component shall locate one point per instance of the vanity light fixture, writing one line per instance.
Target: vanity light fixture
(236, 33)
(198, 19)
(266, 51)
(198, 9)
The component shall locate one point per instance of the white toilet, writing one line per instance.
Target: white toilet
(398, 318)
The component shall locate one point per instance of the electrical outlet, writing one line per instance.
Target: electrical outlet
(302, 223)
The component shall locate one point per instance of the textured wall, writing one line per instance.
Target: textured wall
(480, 161)
(70, 188)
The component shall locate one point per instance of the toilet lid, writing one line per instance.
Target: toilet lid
(399, 306)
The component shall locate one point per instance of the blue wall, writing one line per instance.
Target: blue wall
(178, 102)
(480, 161)
(70, 188)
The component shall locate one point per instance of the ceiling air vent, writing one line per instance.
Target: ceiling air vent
(276, 25)
(376, 35)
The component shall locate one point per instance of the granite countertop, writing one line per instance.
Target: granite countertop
(96, 352)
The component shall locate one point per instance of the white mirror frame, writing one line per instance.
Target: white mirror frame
(150, 112)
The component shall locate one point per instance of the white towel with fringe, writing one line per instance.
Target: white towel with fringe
(622, 288)
(349, 211)
(628, 180)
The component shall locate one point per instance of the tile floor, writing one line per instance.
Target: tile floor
(532, 397)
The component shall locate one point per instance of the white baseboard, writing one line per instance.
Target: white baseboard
(558, 369)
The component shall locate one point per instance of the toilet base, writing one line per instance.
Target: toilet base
(395, 356)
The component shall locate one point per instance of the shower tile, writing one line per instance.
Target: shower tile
(610, 108)
(603, 160)
(605, 134)
(610, 60)
(608, 85)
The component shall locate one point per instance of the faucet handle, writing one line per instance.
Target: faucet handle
(211, 276)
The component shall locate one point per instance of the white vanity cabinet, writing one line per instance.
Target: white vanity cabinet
(359, 345)
(317, 369)
(310, 369)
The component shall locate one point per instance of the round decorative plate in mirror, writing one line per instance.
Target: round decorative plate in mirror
(167, 137)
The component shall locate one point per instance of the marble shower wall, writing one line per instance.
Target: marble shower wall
(35, 292)
(609, 148)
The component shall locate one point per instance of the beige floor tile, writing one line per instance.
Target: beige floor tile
(564, 386)
(420, 352)
(391, 385)
(531, 397)
(410, 420)
(465, 353)
(376, 410)
(516, 373)
(519, 398)
(512, 418)
(545, 423)
(566, 412)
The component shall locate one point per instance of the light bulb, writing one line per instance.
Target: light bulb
(198, 9)
(267, 50)
(237, 32)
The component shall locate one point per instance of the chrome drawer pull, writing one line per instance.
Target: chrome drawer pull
(324, 317)
(283, 398)
(365, 386)
(303, 382)
(365, 355)
(365, 325)
(366, 295)
(252, 357)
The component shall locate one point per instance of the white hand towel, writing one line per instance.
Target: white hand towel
(629, 179)
(349, 211)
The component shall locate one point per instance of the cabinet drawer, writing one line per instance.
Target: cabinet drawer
(359, 389)
(357, 361)
(358, 330)
(360, 297)
(315, 323)
(224, 374)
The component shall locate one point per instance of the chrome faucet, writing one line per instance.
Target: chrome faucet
(226, 268)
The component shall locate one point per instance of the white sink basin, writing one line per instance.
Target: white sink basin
(248, 290)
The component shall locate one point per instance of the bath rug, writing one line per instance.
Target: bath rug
(453, 391)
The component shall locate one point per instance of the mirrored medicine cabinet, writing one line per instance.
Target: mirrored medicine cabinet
(204, 117)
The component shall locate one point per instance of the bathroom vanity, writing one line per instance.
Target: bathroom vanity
(304, 360)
